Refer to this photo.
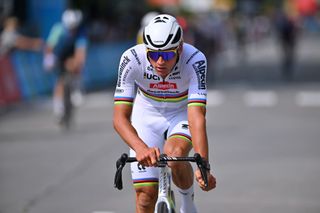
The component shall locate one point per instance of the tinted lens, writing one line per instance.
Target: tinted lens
(168, 55)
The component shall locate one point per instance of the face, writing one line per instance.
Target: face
(164, 61)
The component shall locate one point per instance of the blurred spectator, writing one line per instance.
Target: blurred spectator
(308, 10)
(240, 25)
(287, 35)
(210, 34)
(188, 35)
(144, 22)
(11, 38)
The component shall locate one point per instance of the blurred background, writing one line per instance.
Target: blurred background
(263, 105)
(229, 32)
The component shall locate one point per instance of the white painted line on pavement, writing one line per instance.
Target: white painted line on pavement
(215, 98)
(99, 100)
(102, 212)
(260, 98)
(308, 99)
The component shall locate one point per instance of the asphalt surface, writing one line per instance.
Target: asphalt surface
(264, 144)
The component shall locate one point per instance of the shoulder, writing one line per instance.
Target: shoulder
(57, 27)
(56, 30)
(191, 54)
(137, 49)
(136, 53)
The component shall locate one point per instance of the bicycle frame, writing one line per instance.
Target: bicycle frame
(164, 190)
(164, 193)
(69, 108)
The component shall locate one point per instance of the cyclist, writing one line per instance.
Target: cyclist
(160, 106)
(66, 49)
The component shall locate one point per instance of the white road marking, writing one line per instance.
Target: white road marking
(102, 212)
(215, 98)
(308, 99)
(260, 98)
(99, 100)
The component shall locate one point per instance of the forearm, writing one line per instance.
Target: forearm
(197, 125)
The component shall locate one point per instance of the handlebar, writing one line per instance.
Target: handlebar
(121, 162)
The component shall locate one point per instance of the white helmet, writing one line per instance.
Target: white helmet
(71, 18)
(148, 17)
(162, 33)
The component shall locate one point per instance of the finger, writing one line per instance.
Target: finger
(153, 161)
(157, 150)
(150, 162)
(153, 157)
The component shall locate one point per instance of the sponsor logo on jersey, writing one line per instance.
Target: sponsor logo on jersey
(175, 75)
(119, 90)
(163, 85)
(141, 167)
(150, 68)
(126, 74)
(200, 69)
(185, 126)
(123, 64)
(134, 53)
(151, 76)
(195, 53)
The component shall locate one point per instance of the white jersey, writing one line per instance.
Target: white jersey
(185, 85)
(160, 105)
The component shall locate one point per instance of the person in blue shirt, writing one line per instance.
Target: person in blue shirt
(66, 49)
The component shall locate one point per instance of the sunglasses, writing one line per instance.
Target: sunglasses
(165, 54)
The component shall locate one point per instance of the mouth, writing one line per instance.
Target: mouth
(161, 69)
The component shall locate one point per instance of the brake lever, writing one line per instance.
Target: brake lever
(201, 165)
(121, 162)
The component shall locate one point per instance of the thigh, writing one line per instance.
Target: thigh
(150, 127)
(143, 176)
(179, 138)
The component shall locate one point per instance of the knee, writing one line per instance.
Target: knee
(146, 198)
(175, 151)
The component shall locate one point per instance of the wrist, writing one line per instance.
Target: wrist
(207, 166)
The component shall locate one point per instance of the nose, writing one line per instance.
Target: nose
(160, 60)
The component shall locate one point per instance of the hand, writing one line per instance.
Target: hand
(148, 156)
(211, 181)
(49, 61)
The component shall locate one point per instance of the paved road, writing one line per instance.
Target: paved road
(264, 148)
(264, 145)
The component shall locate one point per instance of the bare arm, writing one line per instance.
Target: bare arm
(197, 125)
(121, 122)
(29, 43)
(76, 63)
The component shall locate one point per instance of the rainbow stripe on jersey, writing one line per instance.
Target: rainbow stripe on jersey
(123, 100)
(145, 182)
(173, 98)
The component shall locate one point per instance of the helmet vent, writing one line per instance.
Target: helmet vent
(159, 20)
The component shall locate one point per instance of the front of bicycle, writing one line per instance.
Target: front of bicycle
(165, 202)
(67, 117)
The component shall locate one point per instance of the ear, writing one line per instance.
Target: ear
(180, 49)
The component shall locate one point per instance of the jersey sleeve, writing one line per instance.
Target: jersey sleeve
(125, 89)
(197, 95)
(54, 35)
